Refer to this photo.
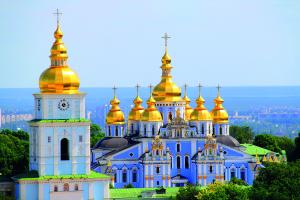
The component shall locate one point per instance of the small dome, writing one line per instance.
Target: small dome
(219, 114)
(115, 115)
(137, 110)
(200, 113)
(228, 140)
(59, 78)
(151, 114)
(188, 108)
(112, 143)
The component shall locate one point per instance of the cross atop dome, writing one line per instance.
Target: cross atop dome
(114, 89)
(137, 89)
(166, 37)
(218, 88)
(57, 13)
(199, 87)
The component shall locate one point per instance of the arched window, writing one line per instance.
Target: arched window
(186, 162)
(64, 149)
(153, 130)
(220, 130)
(171, 159)
(115, 175)
(214, 132)
(157, 152)
(243, 174)
(66, 187)
(210, 168)
(162, 116)
(157, 170)
(232, 173)
(76, 187)
(134, 175)
(109, 131)
(202, 129)
(145, 129)
(170, 116)
(124, 176)
(178, 162)
(55, 188)
(132, 128)
(178, 147)
(117, 131)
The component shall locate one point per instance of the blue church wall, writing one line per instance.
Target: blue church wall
(98, 190)
(229, 152)
(17, 190)
(46, 188)
(85, 187)
(31, 191)
(126, 153)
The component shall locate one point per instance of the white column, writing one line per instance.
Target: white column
(73, 150)
(198, 174)
(41, 190)
(91, 190)
(55, 150)
(204, 173)
(146, 175)
(87, 150)
(151, 174)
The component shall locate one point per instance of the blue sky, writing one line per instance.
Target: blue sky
(118, 42)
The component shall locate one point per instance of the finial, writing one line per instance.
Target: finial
(150, 86)
(185, 88)
(114, 89)
(199, 86)
(57, 13)
(166, 37)
(137, 89)
(218, 88)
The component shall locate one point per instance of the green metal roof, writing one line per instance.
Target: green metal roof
(253, 150)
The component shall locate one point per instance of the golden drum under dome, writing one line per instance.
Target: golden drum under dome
(200, 113)
(218, 113)
(59, 78)
(151, 114)
(115, 115)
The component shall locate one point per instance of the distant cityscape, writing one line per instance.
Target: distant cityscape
(274, 110)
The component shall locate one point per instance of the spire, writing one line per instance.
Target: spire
(188, 108)
(166, 59)
(59, 54)
(257, 159)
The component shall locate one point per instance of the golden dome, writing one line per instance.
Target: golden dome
(188, 108)
(200, 113)
(166, 90)
(115, 115)
(59, 78)
(218, 113)
(151, 114)
(137, 110)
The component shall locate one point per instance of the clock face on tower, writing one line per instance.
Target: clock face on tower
(63, 104)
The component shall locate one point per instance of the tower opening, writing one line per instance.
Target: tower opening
(178, 162)
(64, 149)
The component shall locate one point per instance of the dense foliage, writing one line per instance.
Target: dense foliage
(243, 134)
(218, 191)
(188, 192)
(277, 182)
(14, 151)
(96, 134)
(275, 143)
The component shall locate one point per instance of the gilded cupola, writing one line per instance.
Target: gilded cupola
(136, 112)
(200, 113)
(188, 108)
(115, 114)
(166, 90)
(59, 78)
(218, 113)
(151, 114)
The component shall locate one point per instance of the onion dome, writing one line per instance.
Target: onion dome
(200, 113)
(218, 113)
(115, 115)
(188, 108)
(166, 90)
(137, 110)
(151, 114)
(59, 78)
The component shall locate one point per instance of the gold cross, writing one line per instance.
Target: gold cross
(57, 13)
(166, 37)
(185, 88)
(150, 86)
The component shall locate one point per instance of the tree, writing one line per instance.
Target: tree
(188, 192)
(14, 151)
(277, 181)
(296, 152)
(219, 191)
(243, 134)
(96, 134)
(237, 181)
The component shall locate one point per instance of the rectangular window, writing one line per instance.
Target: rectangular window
(80, 138)
(134, 176)
(157, 170)
(49, 139)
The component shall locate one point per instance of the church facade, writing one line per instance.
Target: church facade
(60, 138)
(169, 143)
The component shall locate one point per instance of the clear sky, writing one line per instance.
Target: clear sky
(230, 42)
